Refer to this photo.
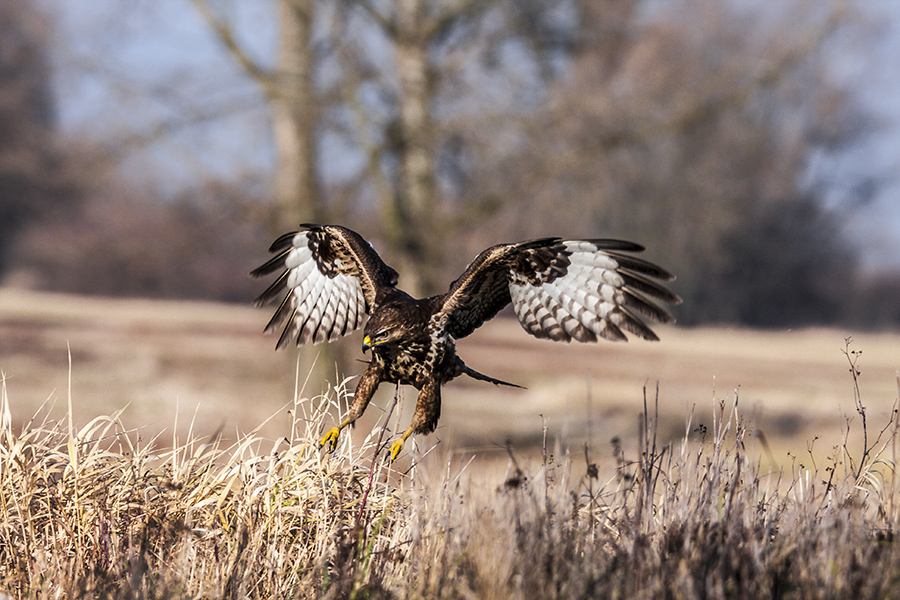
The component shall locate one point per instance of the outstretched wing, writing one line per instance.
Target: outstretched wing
(561, 290)
(332, 276)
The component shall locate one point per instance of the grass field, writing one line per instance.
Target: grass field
(210, 366)
(187, 466)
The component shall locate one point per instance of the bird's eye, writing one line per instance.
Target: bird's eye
(382, 335)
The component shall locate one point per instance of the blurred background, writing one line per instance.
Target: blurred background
(153, 149)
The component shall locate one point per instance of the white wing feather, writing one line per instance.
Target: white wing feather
(588, 302)
(321, 308)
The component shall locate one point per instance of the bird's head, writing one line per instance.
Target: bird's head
(384, 328)
(385, 336)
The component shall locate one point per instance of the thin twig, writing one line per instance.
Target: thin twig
(362, 506)
(853, 359)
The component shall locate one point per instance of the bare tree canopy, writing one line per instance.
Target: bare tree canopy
(689, 133)
(438, 128)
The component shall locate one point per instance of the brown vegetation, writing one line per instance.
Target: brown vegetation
(91, 512)
(765, 492)
(125, 244)
(208, 363)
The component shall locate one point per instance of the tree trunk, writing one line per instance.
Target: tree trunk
(294, 121)
(415, 232)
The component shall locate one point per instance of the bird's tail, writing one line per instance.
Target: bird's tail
(465, 370)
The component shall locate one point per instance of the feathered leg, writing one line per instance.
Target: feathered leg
(368, 383)
(425, 418)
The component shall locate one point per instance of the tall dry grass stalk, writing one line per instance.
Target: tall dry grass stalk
(100, 513)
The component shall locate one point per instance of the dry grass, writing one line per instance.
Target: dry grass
(162, 360)
(90, 512)
(789, 492)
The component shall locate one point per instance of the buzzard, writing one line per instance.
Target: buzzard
(561, 290)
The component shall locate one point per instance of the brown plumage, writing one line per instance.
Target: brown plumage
(561, 290)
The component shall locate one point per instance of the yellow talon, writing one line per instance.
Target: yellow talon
(330, 439)
(396, 447)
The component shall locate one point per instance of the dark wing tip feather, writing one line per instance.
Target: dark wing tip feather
(640, 266)
(280, 314)
(633, 324)
(612, 333)
(646, 308)
(273, 264)
(283, 242)
(272, 292)
(531, 244)
(285, 338)
(645, 285)
(616, 245)
(281, 247)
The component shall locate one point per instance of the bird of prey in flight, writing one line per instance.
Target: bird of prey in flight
(562, 290)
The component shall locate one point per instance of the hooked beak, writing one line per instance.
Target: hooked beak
(367, 343)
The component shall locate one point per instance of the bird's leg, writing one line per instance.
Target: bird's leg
(368, 383)
(428, 411)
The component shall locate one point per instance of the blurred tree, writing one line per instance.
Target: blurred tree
(438, 128)
(690, 131)
(404, 163)
(125, 242)
(32, 173)
(784, 266)
(378, 79)
(288, 88)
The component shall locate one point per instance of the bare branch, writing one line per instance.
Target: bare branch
(225, 33)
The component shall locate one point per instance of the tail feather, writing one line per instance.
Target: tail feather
(465, 370)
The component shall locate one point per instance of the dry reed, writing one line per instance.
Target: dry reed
(99, 513)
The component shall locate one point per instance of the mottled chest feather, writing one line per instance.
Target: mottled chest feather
(414, 363)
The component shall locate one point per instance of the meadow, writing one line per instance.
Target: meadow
(163, 450)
